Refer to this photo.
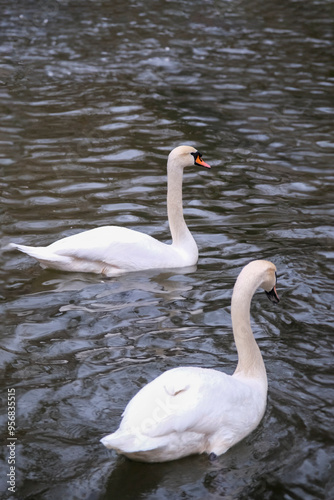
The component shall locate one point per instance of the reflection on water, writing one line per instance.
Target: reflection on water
(93, 98)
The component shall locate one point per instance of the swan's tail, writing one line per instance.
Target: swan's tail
(45, 257)
(127, 442)
(36, 252)
(32, 251)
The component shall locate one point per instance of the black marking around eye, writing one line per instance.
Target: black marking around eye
(196, 155)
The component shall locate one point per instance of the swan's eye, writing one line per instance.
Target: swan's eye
(196, 155)
(198, 159)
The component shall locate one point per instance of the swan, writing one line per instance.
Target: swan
(189, 410)
(113, 250)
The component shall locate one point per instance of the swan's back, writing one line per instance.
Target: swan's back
(188, 410)
(108, 250)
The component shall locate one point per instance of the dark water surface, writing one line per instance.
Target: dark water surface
(93, 96)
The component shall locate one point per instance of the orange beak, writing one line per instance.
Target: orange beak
(202, 163)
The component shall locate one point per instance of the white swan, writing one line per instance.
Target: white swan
(191, 410)
(112, 250)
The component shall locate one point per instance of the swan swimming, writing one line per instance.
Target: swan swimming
(190, 410)
(113, 250)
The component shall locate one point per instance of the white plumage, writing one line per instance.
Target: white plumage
(112, 250)
(191, 410)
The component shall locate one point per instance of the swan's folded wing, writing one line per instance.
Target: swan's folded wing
(181, 400)
(112, 245)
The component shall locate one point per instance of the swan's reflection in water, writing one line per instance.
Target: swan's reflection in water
(129, 479)
(167, 284)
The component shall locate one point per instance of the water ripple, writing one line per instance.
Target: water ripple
(93, 100)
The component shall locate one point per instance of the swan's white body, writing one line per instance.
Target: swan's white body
(112, 250)
(191, 410)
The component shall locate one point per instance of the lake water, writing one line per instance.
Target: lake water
(93, 97)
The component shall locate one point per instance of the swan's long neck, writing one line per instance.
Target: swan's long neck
(180, 233)
(250, 362)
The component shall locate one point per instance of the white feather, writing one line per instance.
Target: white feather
(190, 410)
(112, 250)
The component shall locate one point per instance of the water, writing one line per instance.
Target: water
(94, 95)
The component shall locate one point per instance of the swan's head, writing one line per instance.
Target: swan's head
(262, 274)
(186, 156)
(269, 279)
